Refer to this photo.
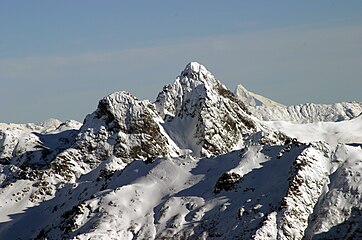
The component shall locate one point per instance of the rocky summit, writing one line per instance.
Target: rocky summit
(201, 162)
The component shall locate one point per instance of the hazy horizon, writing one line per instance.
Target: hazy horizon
(58, 59)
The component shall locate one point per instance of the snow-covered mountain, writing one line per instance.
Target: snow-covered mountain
(198, 163)
(268, 110)
(253, 99)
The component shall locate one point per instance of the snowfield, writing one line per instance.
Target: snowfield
(198, 163)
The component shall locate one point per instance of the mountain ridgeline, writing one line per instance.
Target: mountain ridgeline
(198, 163)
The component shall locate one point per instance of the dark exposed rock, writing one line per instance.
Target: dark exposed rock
(227, 182)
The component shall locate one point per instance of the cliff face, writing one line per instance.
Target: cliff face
(195, 164)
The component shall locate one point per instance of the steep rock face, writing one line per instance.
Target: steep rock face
(122, 127)
(133, 127)
(309, 178)
(211, 118)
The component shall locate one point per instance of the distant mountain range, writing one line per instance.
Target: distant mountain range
(201, 162)
(268, 110)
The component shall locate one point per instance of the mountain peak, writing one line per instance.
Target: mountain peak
(193, 101)
(196, 71)
(192, 67)
(254, 99)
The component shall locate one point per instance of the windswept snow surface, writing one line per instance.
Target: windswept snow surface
(347, 132)
(196, 164)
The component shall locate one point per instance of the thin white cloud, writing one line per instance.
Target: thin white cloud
(278, 45)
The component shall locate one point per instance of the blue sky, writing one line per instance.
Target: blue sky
(58, 58)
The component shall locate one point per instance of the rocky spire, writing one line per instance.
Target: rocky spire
(213, 118)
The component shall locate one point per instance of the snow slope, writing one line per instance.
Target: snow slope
(347, 132)
(17, 139)
(195, 164)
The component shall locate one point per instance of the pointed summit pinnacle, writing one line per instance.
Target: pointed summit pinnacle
(196, 71)
(193, 67)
